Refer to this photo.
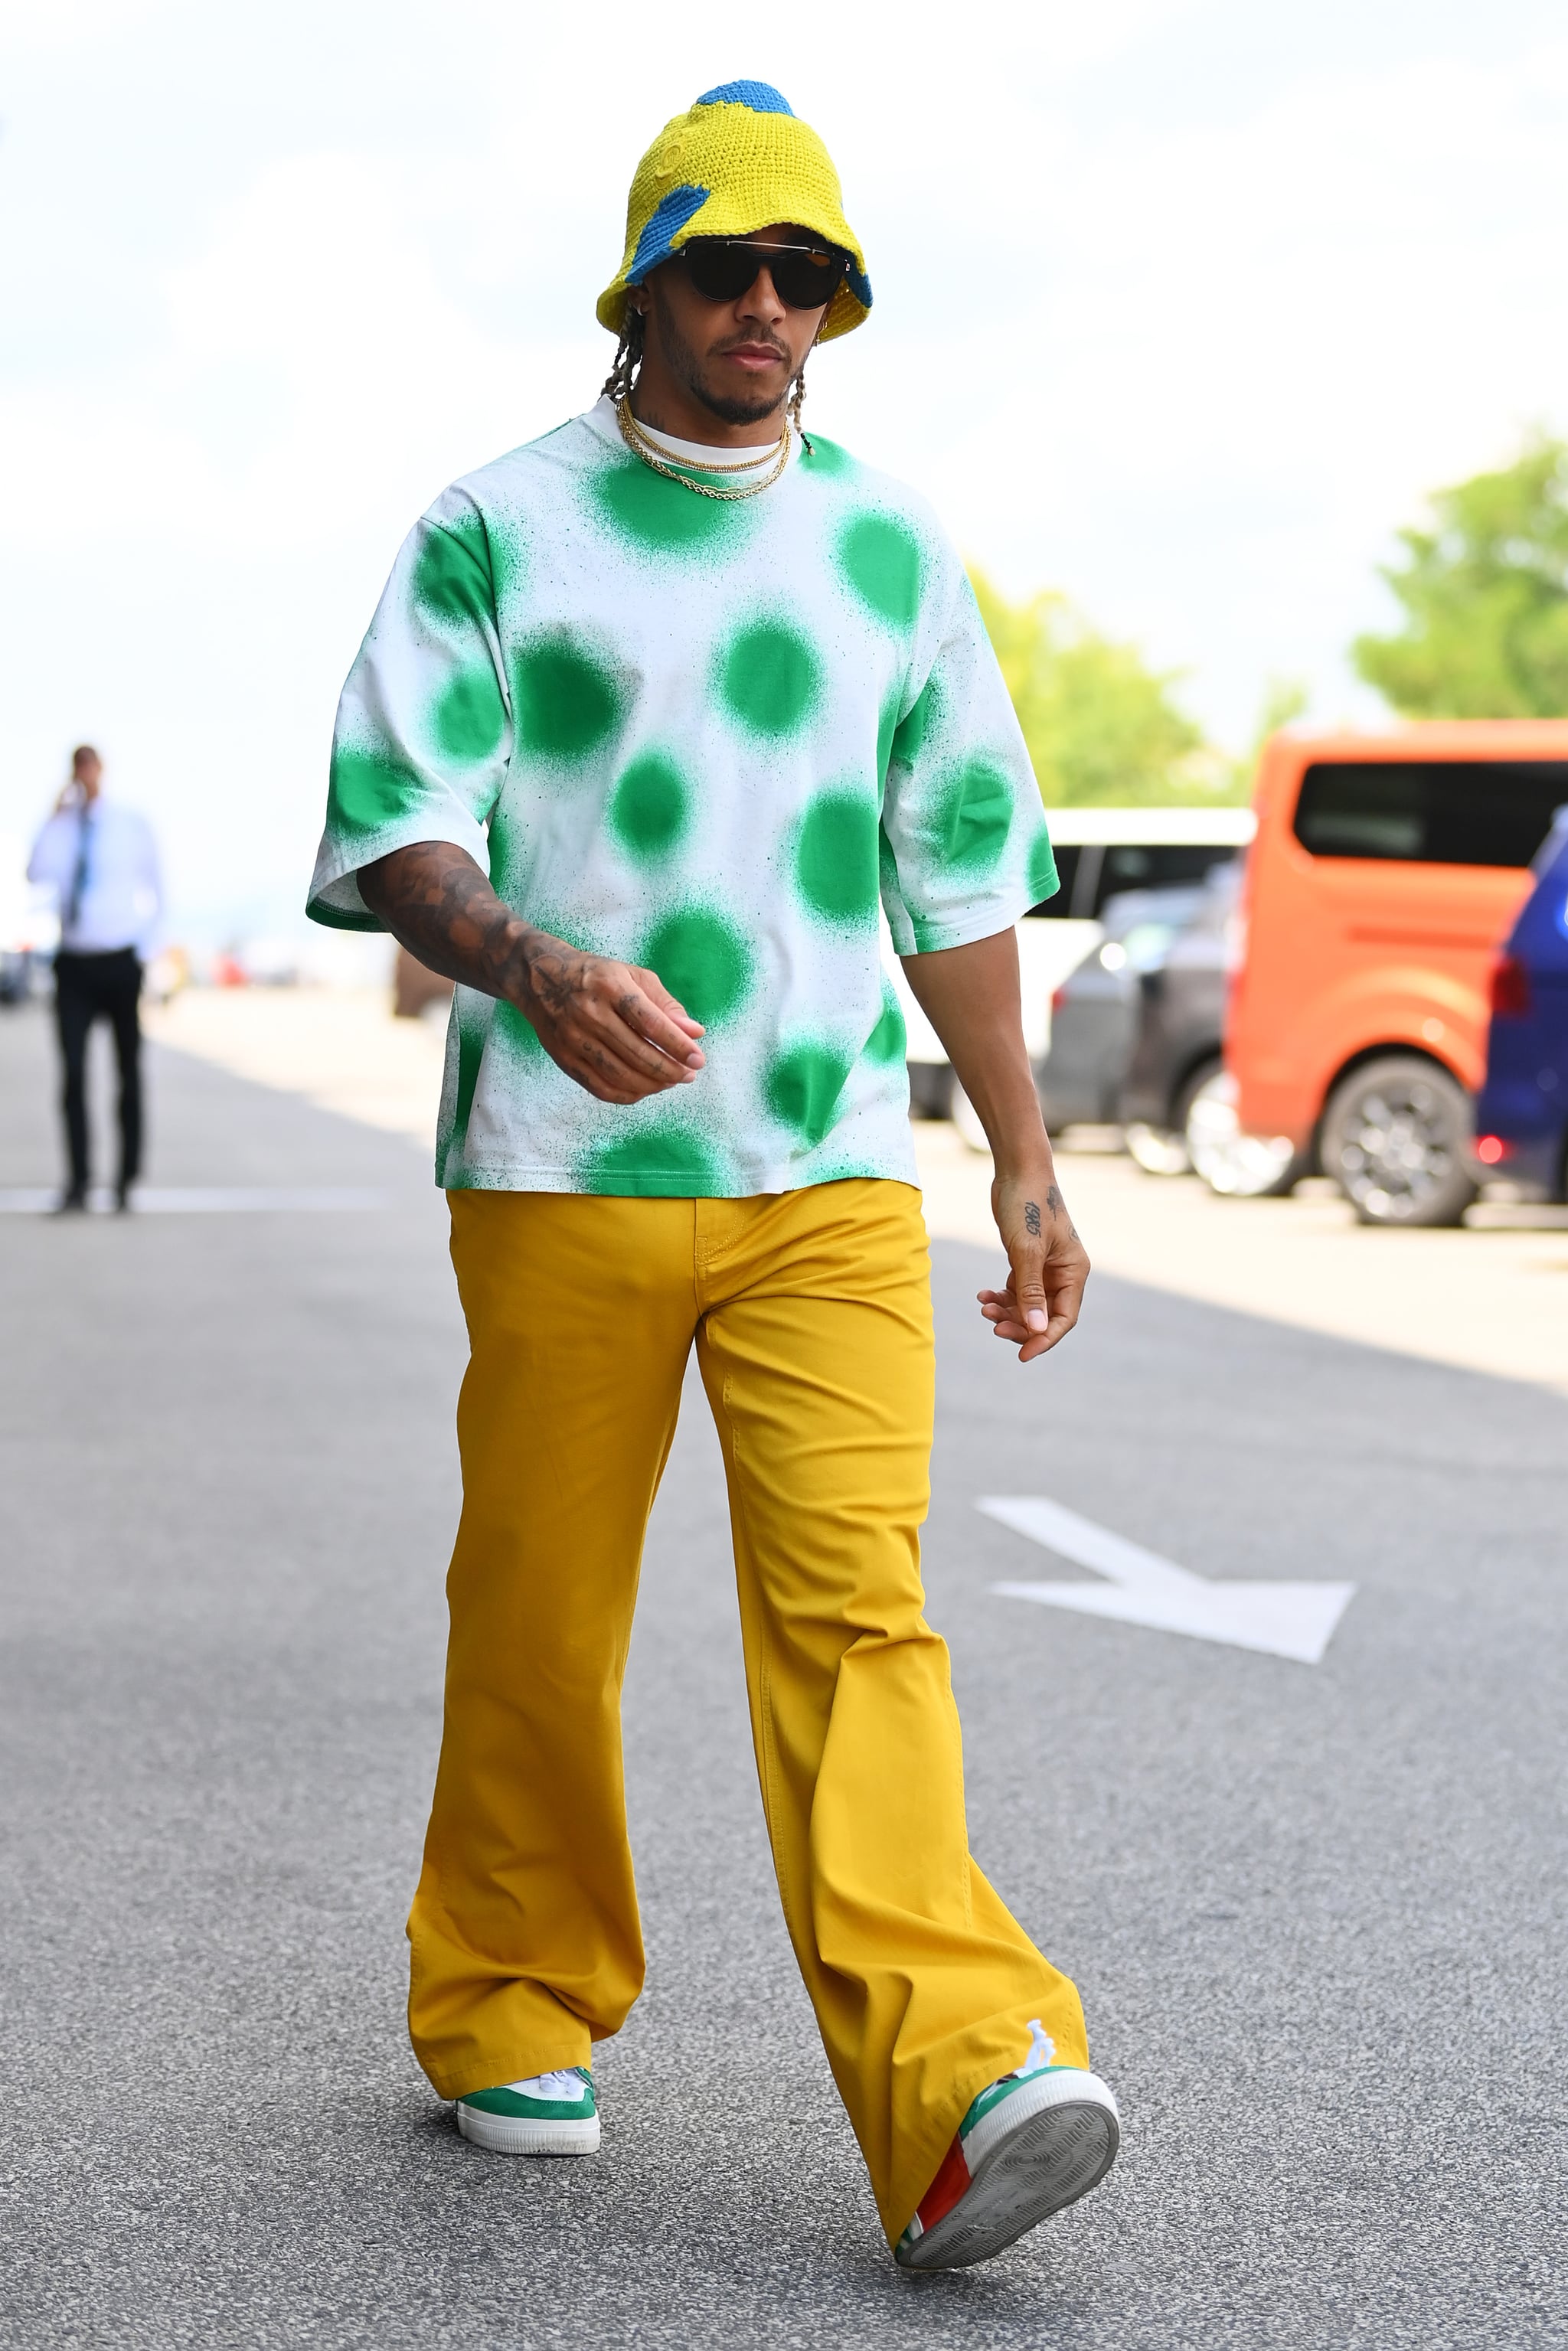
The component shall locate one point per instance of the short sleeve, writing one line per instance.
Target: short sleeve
(965, 850)
(424, 731)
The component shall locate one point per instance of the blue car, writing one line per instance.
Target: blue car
(1522, 1114)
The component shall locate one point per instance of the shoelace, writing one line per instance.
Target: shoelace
(1041, 2050)
(565, 2088)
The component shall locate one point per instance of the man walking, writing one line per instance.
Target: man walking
(651, 712)
(102, 862)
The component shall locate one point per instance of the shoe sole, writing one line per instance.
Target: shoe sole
(1047, 2161)
(517, 2134)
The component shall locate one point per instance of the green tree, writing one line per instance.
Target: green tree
(1485, 593)
(1102, 728)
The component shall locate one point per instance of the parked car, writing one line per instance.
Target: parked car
(1101, 853)
(1175, 1071)
(1521, 1115)
(1095, 1014)
(1385, 871)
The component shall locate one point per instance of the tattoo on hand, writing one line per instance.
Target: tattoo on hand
(1053, 1201)
(1032, 1217)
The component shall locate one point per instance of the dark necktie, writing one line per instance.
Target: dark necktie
(78, 879)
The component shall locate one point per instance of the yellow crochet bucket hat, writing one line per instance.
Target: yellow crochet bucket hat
(738, 160)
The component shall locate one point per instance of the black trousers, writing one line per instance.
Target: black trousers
(89, 987)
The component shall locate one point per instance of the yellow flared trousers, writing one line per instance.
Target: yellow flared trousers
(811, 1315)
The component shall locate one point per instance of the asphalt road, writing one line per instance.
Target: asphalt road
(1316, 1912)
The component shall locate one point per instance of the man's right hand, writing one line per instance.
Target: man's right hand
(613, 1027)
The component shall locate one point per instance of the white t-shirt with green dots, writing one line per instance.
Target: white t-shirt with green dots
(704, 738)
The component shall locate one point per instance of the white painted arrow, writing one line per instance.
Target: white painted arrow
(1284, 1620)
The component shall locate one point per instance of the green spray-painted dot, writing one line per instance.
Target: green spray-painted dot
(703, 960)
(470, 715)
(886, 725)
(568, 702)
(836, 857)
(881, 561)
(975, 817)
(654, 512)
(505, 555)
(665, 1162)
(452, 576)
(519, 1033)
(512, 868)
(369, 788)
(473, 1027)
(912, 730)
(889, 1037)
(826, 459)
(802, 1088)
(1041, 874)
(771, 678)
(650, 806)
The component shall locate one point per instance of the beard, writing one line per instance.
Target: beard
(686, 367)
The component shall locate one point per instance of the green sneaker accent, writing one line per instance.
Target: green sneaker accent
(512, 2103)
(992, 2097)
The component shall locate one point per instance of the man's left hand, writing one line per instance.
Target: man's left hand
(1047, 1266)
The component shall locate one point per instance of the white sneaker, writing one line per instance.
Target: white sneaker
(548, 2114)
(1033, 2143)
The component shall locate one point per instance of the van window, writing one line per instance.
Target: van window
(1093, 872)
(1431, 812)
(1169, 865)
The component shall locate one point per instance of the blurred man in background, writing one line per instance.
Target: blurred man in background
(102, 862)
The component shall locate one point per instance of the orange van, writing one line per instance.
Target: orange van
(1385, 871)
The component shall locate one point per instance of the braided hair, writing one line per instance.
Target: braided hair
(628, 355)
(797, 402)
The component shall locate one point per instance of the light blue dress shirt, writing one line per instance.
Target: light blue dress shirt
(101, 862)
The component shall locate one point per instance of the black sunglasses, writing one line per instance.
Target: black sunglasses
(722, 268)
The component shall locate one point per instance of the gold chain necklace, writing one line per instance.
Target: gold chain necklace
(643, 439)
(641, 447)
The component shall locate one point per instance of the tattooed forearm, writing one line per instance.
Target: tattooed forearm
(611, 1025)
(1032, 1217)
(434, 899)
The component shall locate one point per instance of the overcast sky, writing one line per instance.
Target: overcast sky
(1181, 305)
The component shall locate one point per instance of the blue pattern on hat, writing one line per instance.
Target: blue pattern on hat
(760, 96)
(665, 223)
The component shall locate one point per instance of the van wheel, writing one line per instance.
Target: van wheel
(1240, 1166)
(1158, 1150)
(1163, 1150)
(1395, 1140)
